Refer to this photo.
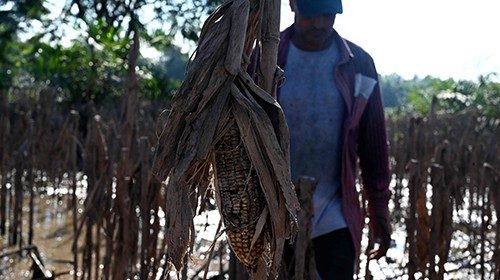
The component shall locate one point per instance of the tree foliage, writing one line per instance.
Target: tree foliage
(417, 94)
(92, 65)
(13, 18)
(35, 51)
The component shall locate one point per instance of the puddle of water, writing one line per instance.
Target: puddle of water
(53, 235)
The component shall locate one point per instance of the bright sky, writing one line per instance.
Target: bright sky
(444, 38)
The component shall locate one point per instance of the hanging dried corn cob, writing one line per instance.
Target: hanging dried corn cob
(223, 125)
(240, 197)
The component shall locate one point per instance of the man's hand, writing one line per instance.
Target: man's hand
(381, 234)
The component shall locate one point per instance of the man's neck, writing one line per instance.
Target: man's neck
(302, 43)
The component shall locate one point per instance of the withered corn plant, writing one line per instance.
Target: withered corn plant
(4, 130)
(447, 161)
(106, 162)
(226, 138)
(225, 128)
(118, 232)
(449, 164)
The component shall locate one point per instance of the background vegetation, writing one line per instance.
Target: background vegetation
(35, 52)
(65, 112)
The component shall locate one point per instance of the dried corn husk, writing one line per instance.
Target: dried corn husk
(220, 110)
(239, 196)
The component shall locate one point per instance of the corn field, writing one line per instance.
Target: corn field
(199, 187)
(91, 171)
(445, 191)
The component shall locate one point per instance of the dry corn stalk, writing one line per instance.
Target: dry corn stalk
(222, 121)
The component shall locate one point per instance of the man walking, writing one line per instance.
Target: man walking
(332, 103)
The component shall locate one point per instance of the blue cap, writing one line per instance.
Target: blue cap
(312, 8)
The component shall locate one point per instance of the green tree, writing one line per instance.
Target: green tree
(451, 96)
(164, 75)
(394, 90)
(486, 97)
(92, 66)
(13, 17)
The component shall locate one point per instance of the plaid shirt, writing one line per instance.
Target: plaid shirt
(364, 133)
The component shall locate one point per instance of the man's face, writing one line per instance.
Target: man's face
(315, 30)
